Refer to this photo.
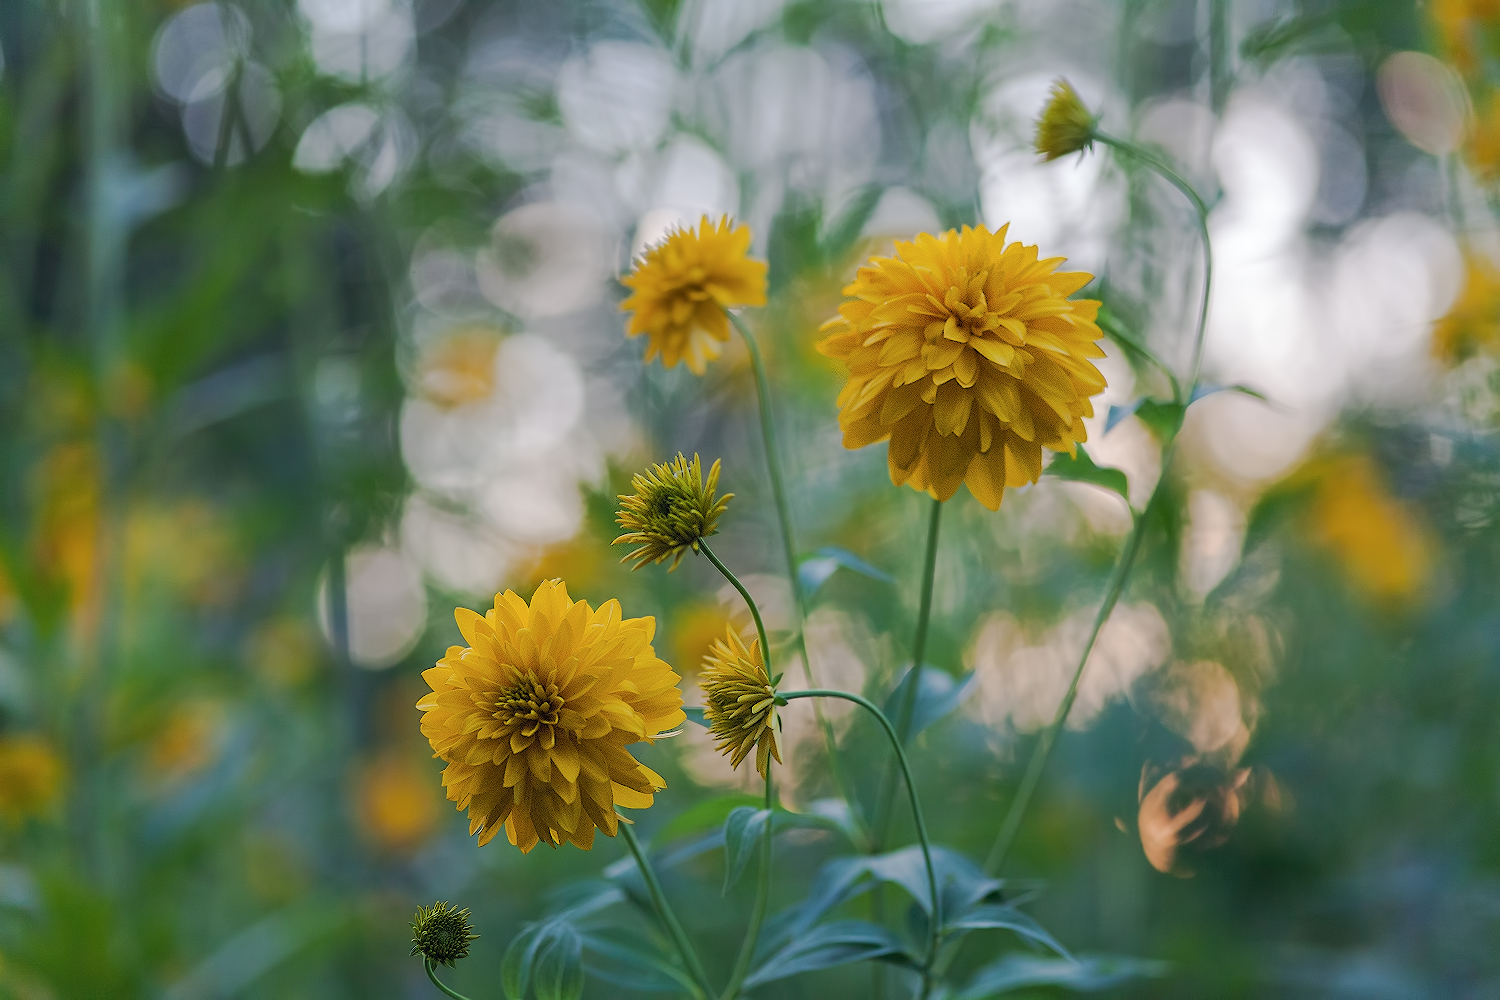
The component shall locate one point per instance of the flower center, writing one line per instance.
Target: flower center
(531, 703)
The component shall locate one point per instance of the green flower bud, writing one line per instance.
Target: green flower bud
(441, 933)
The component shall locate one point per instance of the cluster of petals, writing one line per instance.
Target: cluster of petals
(534, 715)
(741, 709)
(681, 287)
(969, 357)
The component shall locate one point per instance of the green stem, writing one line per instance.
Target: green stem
(432, 974)
(762, 893)
(789, 549)
(664, 910)
(935, 922)
(760, 626)
(907, 709)
(1201, 209)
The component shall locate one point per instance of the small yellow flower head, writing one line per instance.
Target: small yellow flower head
(31, 775)
(534, 715)
(741, 710)
(682, 286)
(441, 933)
(671, 509)
(1065, 126)
(968, 356)
(1473, 323)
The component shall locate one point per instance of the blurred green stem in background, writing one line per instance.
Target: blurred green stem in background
(789, 546)
(762, 893)
(913, 682)
(664, 910)
(935, 918)
(432, 974)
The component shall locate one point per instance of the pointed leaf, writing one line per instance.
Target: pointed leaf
(1208, 389)
(827, 946)
(1018, 970)
(742, 833)
(633, 964)
(1163, 418)
(520, 956)
(1000, 916)
(938, 694)
(1134, 347)
(1081, 469)
(1119, 413)
(695, 715)
(558, 971)
(815, 570)
(709, 814)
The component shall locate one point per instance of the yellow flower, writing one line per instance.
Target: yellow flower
(741, 709)
(534, 715)
(1384, 546)
(1065, 125)
(968, 355)
(30, 777)
(1474, 321)
(682, 286)
(460, 367)
(670, 511)
(394, 801)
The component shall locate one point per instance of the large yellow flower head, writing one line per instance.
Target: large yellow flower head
(534, 715)
(970, 357)
(741, 709)
(682, 286)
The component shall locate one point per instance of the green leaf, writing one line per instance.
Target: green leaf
(1001, 916)
(1081, 469)
(1208, 389)
(1087, 973)
(709, 814)
(1131, 343)
(827, 946)
(938, 694)
(1163, 418)
(814, 570)
(520, 955)
(742, 833)
(632, 963)
(695, 715)
(558, 970)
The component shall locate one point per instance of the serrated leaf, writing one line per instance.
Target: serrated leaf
(938, 694)
(695, 715)
(1081, 469)
(742, 833)
(1163, 418)
(1087, 973)
(815, 570)
(709, 814)
(828, 946)
(999, 916)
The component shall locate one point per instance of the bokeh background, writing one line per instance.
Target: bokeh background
(308, 334)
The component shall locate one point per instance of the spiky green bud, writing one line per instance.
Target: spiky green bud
(671, 510)
(441, 933)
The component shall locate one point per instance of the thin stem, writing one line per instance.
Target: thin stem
(907, 708)
(1201, 209)
(664, 910)
(760, 626)
(1044, 745)
(762, 893)
(789, 549)
(936, 921)
(432, 974)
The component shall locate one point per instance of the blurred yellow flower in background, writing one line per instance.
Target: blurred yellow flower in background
(68, 527)
(1484, 137)
(741, 709)
(284, 651)
(534, 715)
(1473, 324)
(31, 775)
(1382, 543)
(187, 742)
(187, 546)
(394, 801)
(1461, 24)
(968, 355)
(682, 286)
(460, 367)
(693, 630)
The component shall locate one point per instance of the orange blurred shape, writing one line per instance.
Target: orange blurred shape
(396, 801)
(187, 742)
(31, 776)
(1187, 810)
(284, 651)
(1382, 543)
(1462, 24)
(692, 629)
(460, 367)
(67, 530)
(1473, 324)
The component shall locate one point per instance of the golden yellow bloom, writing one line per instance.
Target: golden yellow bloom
(741, 709)
(1382, 543)
(1474, 321)
(670, 511)
(394, 801)
(682, 286)
(534, 715)
(1065, 125)
(968, 355)
(31, 775)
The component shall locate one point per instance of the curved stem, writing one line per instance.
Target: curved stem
(935, 922)
(1171, 176)
(432, 974)
(913, 682)
(789, 550)
(664, 910)
(760, 626)
(762, 893)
